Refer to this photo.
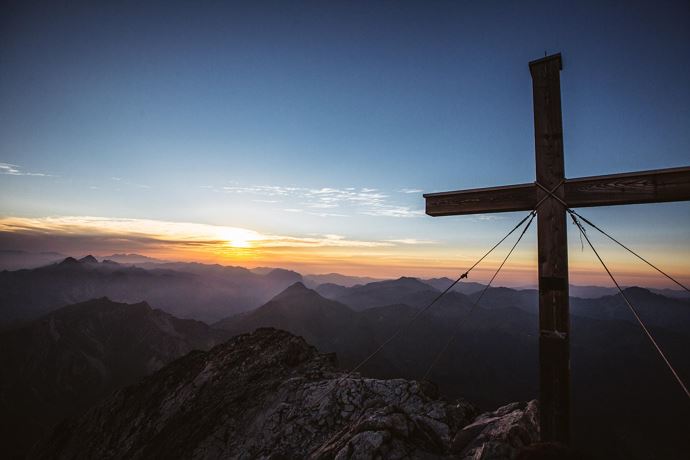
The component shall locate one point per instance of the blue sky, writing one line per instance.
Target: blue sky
(249, 114)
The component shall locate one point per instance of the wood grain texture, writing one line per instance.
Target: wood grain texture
(552, 242)
(654, 186)
(521, 197)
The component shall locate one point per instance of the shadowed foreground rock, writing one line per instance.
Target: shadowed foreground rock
(271, 395)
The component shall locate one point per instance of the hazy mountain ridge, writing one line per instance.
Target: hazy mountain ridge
(187, 290)
(311, 281)
(407, 290)
(208, 292)
(132, 259)
(60, 364)
(655, 309)
(11, 259)
(464, 287)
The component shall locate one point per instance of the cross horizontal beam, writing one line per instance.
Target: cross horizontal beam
(655, 186)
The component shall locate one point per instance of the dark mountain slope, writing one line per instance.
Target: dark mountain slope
(501, 297)
(410, 291)
(323, 322)
(654, 309)
(58, 365)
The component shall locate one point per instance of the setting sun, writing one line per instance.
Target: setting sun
(238, 237)
(239, 243)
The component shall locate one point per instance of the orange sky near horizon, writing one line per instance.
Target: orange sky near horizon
(318, 254)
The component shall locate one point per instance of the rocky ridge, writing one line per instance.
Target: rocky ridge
(271, 395)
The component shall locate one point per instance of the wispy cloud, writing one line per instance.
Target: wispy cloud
(412, 241)
(174, 234)
(410, 190)
(486, 218)
(265, 190)
(336, 241)
(394, 211)
(15, 170)
(366, 201)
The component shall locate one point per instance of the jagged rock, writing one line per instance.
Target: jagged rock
(499, 434)
(271, 395)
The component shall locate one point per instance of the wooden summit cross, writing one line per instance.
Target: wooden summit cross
(629, 188)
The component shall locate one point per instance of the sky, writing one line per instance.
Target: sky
(303, 134)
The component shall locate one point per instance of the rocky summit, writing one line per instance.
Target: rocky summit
(269, 394)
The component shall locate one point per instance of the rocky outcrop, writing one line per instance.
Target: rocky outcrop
(498, 434)
(271, 395)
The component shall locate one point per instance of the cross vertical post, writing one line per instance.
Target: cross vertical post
(554, 318)
(655, 186)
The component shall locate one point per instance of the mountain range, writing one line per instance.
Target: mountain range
(62, 359)
(187, 290)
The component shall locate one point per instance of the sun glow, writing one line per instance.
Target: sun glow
(238, 237)
(239, 244)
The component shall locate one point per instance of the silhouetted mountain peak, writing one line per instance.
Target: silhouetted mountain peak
(69, 261)
(72, 262)
(297, 289)
(636, 290)
(408, 280)
(404, 282)
(88, 260)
